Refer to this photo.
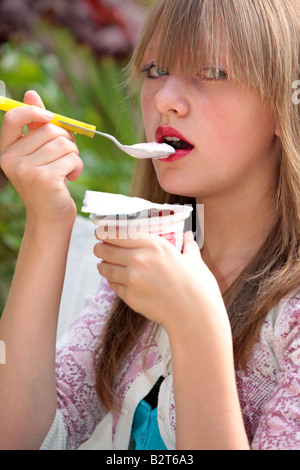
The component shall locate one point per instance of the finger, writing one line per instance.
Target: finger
(119, 289)
(38, 138)
(190, 247)
(51, 151)
(74, 175)
(16, 119)
(69, 166)
(31, 97)
(112, 254)
(130, 239)
(113, 273)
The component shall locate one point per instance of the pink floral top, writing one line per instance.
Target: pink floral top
(269, 388)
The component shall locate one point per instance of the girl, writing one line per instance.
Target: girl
(187, 350)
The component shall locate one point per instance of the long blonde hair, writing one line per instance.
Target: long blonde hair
(260, 39)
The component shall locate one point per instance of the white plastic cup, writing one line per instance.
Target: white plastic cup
(169, 227)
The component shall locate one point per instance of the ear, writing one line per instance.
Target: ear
(278, 132)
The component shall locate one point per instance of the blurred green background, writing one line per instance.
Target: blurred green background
(73, 54)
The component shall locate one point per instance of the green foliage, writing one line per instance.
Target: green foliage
(72, 82)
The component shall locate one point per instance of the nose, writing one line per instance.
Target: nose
(171, 98)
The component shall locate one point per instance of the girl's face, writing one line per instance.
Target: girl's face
(228, 137)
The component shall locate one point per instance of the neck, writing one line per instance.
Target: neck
(234, 230)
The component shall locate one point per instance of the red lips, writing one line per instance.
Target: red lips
(184, 149)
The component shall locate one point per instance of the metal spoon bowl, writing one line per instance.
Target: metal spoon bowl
(140, 151)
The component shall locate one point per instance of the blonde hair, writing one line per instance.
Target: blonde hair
(260, 42)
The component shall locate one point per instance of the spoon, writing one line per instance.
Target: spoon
(141, 151)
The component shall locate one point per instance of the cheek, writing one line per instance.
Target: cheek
(145, 102)
(148, 113)
(241, 128)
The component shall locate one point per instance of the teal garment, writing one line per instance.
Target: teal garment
(145, 433)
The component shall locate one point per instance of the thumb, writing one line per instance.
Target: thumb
(190, 247)
(33, 98)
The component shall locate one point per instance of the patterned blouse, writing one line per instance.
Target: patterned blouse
(269, 388)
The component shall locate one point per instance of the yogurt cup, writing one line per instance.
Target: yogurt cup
(169, 226)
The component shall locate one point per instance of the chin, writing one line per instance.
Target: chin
(178, 190)
(191, 183)
(174, 180)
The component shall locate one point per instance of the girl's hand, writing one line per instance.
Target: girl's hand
(39, 163)
(158, 281)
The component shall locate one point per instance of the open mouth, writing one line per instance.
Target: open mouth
(177, 144)
(172, 137)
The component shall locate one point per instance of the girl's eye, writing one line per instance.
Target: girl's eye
(213, 73)
(152, 71)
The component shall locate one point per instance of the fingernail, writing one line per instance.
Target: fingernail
(49, 115)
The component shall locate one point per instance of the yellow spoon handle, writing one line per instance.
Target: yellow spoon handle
(89, 130)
